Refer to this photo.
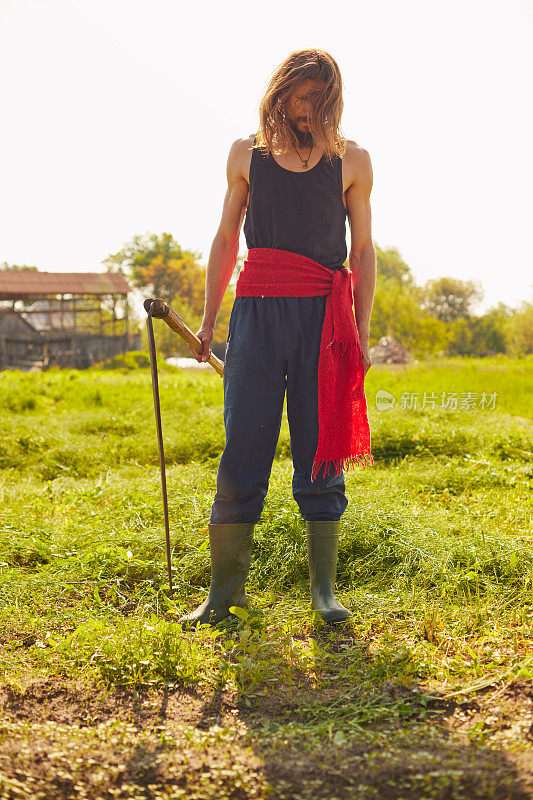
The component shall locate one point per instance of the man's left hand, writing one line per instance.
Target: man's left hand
(367, 361)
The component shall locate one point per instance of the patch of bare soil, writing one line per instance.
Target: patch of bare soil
(72, 702)
(505, 713)
(61, 739)
(75, 702)
(504, 717)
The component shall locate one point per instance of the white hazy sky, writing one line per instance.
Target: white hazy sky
(117, 117)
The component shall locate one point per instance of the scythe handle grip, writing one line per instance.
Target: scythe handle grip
(161, 310)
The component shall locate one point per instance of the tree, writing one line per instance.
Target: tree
(396, 307)
(390, 264)
(178, 277)
(396, 312)
(484, 335)
(488, 337)
(519, 331)
(160, 266)
(449, 299)
(460, 338)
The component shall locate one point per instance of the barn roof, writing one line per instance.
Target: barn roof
(19, 284)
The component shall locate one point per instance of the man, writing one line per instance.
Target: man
(294, 325)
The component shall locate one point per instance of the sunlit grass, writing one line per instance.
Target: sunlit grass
(436, 555)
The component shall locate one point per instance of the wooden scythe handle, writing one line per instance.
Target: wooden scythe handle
(161, 310)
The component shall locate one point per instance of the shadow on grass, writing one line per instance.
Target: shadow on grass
(328, 732)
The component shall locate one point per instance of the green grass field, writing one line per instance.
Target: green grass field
(426, 693)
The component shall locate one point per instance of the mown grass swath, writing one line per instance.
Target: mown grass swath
(436, 562)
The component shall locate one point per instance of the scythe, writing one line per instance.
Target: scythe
(156, 307)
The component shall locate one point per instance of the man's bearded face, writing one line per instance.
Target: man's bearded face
(299, 111)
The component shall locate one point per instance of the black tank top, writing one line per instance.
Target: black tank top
(301, 212)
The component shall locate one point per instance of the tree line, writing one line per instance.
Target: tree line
(435, 319)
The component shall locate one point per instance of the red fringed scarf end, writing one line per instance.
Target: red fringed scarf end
(361, 460)
(343, 429)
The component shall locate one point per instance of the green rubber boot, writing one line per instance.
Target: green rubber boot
(231, 552)
(322, 552)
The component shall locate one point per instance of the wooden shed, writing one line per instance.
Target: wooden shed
(70, 319)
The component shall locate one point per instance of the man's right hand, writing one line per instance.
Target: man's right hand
(206, 335)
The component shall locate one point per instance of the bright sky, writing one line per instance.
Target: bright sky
(118, 115)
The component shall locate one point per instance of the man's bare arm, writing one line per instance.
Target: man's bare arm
(362, 258)
(225, 247)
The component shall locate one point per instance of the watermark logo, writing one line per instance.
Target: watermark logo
(445, 401)
(384, 400)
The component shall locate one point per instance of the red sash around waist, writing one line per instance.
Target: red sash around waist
(343, 429)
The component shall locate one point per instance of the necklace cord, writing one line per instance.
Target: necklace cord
(304, 161)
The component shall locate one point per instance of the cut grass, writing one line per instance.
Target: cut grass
(436, 562)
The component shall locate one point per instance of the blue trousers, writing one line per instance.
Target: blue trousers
(273, 347)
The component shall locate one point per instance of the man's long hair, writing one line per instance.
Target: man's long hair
(275, 134)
